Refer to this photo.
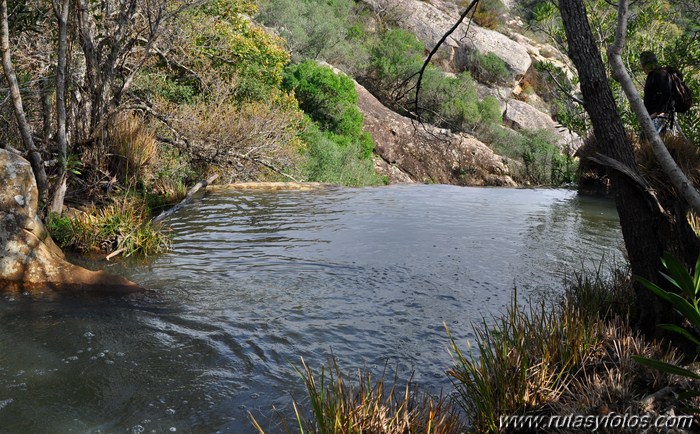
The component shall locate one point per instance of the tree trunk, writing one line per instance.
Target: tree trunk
(34, 155)
(648, 229)
(46, 110)
(61, 12)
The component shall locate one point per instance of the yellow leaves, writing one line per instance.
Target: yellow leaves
(234, 44)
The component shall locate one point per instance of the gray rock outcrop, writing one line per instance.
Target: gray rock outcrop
(429, 21)
(29, 259)
(520, 115)
(411, 152)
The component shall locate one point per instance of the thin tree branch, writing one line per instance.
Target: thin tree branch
(435, 49)
(668, 165)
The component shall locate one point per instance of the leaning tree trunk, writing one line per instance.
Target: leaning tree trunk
(34, 155)
(648, 227)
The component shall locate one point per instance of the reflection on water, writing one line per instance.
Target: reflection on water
(259, 279)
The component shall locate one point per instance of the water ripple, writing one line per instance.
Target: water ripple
(258, 280)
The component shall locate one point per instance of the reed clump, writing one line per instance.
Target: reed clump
(573, 356)
(369, 405)
(122, 226)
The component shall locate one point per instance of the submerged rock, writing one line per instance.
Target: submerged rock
(29, 259)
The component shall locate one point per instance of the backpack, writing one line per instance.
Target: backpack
(682, 95)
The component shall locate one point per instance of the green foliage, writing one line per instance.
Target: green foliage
(538, 160)
(452, 102)
(124, 226)
(394, 60)
(330, 99)
(317, 29)
(449, 101)
(243, 55)
(488, 68)
(686, 302)
(338, 151)
(490, 111)
(340, 160)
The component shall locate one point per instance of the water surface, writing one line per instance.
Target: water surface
(257, 280)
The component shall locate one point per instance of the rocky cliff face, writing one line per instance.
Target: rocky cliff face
(413, 152)
(29, 259)
(429, 21)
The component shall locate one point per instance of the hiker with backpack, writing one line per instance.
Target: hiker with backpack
(665, 93)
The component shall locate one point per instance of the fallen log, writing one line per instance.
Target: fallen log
(187, 199)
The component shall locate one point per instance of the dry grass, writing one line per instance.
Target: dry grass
(132, 148)
(611, 381)
(370, 406)
(685, 153)
(246, 142)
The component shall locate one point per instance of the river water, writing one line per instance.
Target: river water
(257, 280)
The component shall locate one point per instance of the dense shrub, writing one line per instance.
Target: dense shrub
(330, 99)
(490, 111)
(537, 160)
(487, 68)
(318, 29)
(337, 160)
(338, 151)
(395, 59)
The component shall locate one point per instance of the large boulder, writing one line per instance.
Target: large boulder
(413, 152)
(429, 21)
(29, 259)
(520, 115)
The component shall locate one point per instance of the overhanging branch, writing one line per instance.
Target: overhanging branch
(668, 165)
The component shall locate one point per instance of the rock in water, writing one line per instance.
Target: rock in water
(29, 259)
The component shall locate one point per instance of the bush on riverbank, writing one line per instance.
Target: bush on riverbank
(123, 226)
(538, 160)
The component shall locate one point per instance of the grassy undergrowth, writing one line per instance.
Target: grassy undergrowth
(573, 355)
(123, 226)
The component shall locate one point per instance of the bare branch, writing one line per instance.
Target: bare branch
(472, 5)
(668, 165)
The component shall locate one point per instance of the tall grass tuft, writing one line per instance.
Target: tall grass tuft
(121, 226)
(369, 406)
(132, 148)
(605, 297)
(522, 361)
